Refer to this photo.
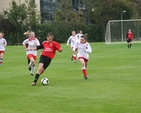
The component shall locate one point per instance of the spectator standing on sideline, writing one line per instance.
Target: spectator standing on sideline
(129, 38)
(3, 43)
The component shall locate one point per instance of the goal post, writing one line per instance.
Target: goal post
(116, 30)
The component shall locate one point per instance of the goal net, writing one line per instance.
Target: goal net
(116, 30)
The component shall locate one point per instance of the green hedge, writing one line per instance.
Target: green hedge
(61, 32)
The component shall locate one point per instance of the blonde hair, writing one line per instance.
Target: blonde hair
(26, 33)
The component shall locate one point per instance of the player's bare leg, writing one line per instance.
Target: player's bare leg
(32, 66)
(1, 58)
(86, 65)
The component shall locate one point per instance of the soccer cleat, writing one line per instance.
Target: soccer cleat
(85, 77)
(29, 68)
(31, 74)
(33, 84)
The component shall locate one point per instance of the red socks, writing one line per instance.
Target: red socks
(74, 58)
(84, 72)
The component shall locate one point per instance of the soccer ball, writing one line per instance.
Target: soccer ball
(45, 81)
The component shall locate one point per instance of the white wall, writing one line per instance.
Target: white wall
(4, 4)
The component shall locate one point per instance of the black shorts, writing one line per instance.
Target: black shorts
(45, 60)
(129, 40)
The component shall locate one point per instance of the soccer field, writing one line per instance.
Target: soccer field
(113, 86)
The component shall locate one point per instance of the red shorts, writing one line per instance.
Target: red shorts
(1, 52)
(29, 56)
(85, 60)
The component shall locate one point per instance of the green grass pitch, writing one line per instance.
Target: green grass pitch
(114, 84)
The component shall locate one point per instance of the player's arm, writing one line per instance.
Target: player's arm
(127, 36)
(25, 42)
(5, 42)
(88, 49)
(60, 50)
(39, 47)
(37, 43)
(58, 47)
(68, 41)
(132, 36)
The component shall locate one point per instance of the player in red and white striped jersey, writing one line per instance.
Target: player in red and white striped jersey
(30, 45)
(3, 43)
(83, 50)
(49, 50)
(72, 40)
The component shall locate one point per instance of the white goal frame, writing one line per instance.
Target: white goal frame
(116, 30)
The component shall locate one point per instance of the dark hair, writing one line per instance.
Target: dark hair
(50, 34)
(84, 36)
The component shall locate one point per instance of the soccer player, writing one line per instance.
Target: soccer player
(79, 35)
(129, 38)
(3, 43)
(84, 49)
(49, 50)
(30, 46)
(72, 40)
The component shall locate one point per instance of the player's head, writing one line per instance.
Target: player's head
(32, 34)
(73, 33)
(83, 39)
(129, 30)
(1, 34)
(50, 36)
(80, 31)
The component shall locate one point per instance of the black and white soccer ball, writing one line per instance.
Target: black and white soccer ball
(45, 81)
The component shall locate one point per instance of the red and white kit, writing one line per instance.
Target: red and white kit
(83, 50)
(3, 43)
(72, 40)
(79, 36)
(31, 44)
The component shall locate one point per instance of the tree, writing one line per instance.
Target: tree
(24, 16)
(33, 15)
(65, 12)
(16, 14)
(136, 4)
(101, 11)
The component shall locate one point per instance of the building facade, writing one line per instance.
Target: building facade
(5, 4)
(46, 7)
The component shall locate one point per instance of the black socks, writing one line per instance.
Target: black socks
(36, 77)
